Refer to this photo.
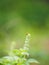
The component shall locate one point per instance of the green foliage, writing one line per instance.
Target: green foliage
(19, 57)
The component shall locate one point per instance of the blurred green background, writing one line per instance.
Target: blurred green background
(17, 17)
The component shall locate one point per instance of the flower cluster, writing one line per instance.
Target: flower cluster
(18, 56)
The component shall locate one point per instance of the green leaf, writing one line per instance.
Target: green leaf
(27, 63)
(16, 52)
(32, 60)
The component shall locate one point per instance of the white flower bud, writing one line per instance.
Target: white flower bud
(26, 45)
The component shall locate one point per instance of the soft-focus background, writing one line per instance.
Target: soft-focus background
(18, 17)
